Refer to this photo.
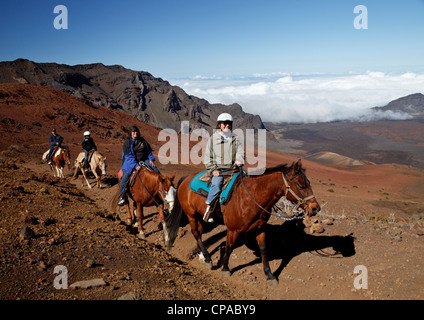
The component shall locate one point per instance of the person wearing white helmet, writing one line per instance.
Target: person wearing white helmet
(223, 150)
(88, 145)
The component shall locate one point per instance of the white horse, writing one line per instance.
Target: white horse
(58, 159)
(97, 167)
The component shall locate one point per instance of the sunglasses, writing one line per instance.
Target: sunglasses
(227, 123)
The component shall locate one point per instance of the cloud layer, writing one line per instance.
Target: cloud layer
(280, 97)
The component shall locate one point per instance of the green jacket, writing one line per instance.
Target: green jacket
(221, 153)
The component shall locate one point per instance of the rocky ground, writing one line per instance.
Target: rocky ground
(48, 223)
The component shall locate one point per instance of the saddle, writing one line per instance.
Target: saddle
(201, 184)
(90, 155)
(134, 174)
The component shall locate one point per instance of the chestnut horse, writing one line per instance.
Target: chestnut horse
(59, 158)
(97, 167)
(150, 189)
(248, 210)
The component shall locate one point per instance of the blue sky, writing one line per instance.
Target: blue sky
(181, 39)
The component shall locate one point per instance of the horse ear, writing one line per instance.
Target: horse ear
(173, 177)
(298, 165)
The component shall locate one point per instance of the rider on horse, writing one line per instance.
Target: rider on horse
(223, 150)
(88, 145)
(55, 140)
(135, 150)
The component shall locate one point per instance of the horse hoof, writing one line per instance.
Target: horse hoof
(208, 265)
(129, 222)
(226, 274)
(272, 283)
(168, 245)
(141, 235)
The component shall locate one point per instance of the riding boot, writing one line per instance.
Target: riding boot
(207, 214)
(121, 200)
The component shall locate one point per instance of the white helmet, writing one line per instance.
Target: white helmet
(87, 133)
(225, 117)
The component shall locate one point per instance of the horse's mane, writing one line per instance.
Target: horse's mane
(278, 168)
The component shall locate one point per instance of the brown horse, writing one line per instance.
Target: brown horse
(59, 158)
(150, 189)
(248, 210)
(97, 167)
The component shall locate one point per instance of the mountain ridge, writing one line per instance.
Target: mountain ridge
(153, 100)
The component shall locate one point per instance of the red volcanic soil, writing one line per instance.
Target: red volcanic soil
(372, 217)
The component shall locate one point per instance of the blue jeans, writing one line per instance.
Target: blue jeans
(126, 176)
(50, 153)
(215, 189)
(86, 158)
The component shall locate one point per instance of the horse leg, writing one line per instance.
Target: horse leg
(99, 185)
(166, 238)
(84, 177)
(141, 234)
(260, 238)
(229, 247)
(130, 219)
(196, 230)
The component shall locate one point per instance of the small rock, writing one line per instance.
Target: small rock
(328, 221)
(26, 233)
(42, 266)
(397, 238)
(87, 284)
(131, 296)
(91, 263)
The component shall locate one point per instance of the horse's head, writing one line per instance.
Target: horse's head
(169, 190)
(66, 156)
(299, 189)
(101, 162)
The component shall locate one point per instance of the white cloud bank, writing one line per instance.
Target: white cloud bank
(280, 97)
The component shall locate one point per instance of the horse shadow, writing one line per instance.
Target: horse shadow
(286, 241)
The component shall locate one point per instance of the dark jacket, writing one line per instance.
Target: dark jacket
(55, 139)
(88, 144)
(135, 151)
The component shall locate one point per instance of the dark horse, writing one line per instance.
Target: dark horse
(150, 189)
(248, 210)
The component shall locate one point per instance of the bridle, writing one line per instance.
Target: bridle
(162, 194)
(300, 200)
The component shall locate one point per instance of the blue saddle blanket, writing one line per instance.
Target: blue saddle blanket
(203, 188)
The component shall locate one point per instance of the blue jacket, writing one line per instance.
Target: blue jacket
(131, 157)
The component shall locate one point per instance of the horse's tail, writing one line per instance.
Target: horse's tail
(113, 202)
(76, 171)
(173, 219)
